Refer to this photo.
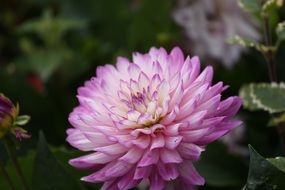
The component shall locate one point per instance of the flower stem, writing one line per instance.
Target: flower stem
(270, 59)
(270, 54)
(6, 176)
(12, 153)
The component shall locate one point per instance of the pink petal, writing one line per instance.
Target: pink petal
(170, 156)
(134, 71)
(127, 181)
(142, 172)
(194, 135)
(91, 159)
(177, 55)
(157, 142)
(173, 130)
(172, 142)
(169, 118)
(119, 169)
(177, 96)
(142, 141)
(168, 172)
(190, 151)
(132, 156)
(113, 149)
(149, 158)
(230, 109)
(78, 140)
(156, 182)
(207, 75)
(189, 174)
(110, 185)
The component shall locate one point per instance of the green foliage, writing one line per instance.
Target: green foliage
(245, 94)
(265, 174)
(46, 164)
(277, 120)
(26, 163)
(218, 172)
(278, 162)
(47, 24)
(258, 6)
(22, 120)
(45, 60)
(280, 31)
(48, 172)
(237, 40)
(63, 42)
(264, 96)
(253, 6)
(268, 5)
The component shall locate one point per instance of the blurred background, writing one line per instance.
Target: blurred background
(48, 49)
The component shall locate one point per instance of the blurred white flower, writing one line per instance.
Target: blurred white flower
(209, 23)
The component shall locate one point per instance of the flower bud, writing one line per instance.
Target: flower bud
(8, 114)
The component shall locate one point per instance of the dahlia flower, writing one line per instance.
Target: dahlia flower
(149, 119)
(208, 24)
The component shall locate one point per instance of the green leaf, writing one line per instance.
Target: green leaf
(253, 6)
(43, 61)
(248, 102)
(218, 172)
(48, 24)
(269, 97)
(26, 162)
(48, 172)
(280, 31)
(263, 175)
(275, 121)
(22, 120)
(278, 162)
(268, 5)
(264, 96)
(237, 40)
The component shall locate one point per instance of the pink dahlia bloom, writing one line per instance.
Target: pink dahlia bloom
(149, 119)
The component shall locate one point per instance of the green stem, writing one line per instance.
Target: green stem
(270, 54)
(270, 58)
(12, 153)
(6, 176)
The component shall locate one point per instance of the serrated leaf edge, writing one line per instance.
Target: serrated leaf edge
(267, 4)
(245, 102)
(257, 101)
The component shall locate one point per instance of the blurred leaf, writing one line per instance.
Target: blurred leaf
(237, 40)
(280, 31)
(48, 172)
(263, 175)
(64, 155)
(248, 102)
(278, 162)
(264, 96)
(43, 62)
(277, 120)
(253, 6)
(268, 5)
(22, 120)
(269, 97)
(49, 28)
(158, 24)
(26, 163)
(218, 172)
